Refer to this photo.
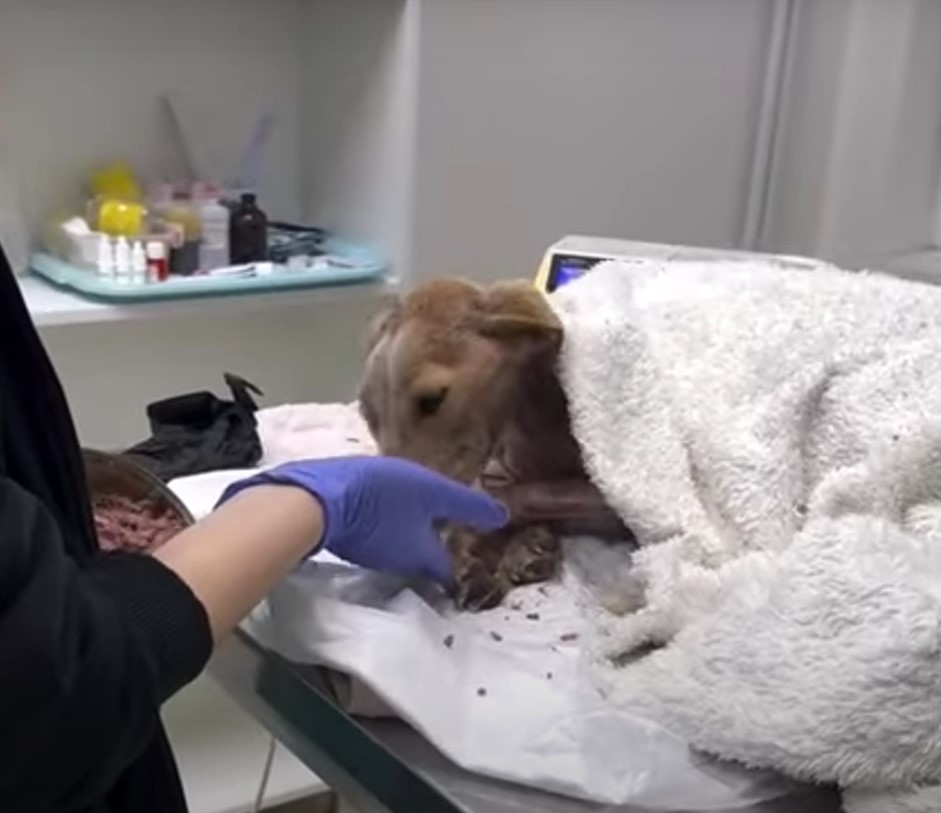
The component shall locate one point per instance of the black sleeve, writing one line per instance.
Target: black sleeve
(87, 656)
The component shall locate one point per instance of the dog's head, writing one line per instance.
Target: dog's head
(444, 370)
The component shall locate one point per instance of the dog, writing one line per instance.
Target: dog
(463, 381)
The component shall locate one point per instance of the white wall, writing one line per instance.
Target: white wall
(81, 80)
(358, 131)
(539, 118)
(858, 170)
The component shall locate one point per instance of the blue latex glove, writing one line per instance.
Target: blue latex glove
(379, 511)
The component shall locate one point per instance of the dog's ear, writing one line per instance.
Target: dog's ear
(386, 321)
(517, 311)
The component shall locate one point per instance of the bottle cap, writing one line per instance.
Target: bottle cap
(156, 250)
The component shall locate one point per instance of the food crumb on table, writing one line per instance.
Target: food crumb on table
(496, 636)
(532, 616)
(569, 636)
(548, 675)
(481, 692)
(449, 641)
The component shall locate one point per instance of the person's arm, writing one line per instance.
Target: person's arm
(88, 654)
(233, 557)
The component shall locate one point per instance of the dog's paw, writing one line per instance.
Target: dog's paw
(533, 555)
(477, 588)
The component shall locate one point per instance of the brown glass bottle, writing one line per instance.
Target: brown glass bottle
(248, 232)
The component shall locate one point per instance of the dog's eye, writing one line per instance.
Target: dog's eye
(429, 403)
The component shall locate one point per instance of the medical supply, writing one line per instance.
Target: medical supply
(116, 180)
(287, 241)
(105, 262)
(372, 486)
(122, 260)
(248, 232)
(360, 266)
(158, 269)
(576, 255)
(184, 253)
(119, 217)
(138, 263)
(214, 220)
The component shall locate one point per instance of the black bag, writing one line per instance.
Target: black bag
(199, 432)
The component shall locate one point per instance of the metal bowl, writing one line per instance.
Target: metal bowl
(117, 475)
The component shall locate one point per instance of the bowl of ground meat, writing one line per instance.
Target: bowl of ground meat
(133, 510)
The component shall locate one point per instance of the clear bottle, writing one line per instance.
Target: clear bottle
(214, 218)
(105, 257)
(138, 263)
(248, 232)
(122, 260)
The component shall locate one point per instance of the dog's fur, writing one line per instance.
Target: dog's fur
(460, 378)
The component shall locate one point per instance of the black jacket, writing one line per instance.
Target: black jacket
(91, 644)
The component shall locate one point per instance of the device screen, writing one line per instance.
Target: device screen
(566, 268)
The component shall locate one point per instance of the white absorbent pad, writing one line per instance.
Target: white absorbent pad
(774, 439)
(504, 693)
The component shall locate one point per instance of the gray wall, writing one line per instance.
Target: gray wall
(632, 118)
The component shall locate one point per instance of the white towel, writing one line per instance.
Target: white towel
(774, 439)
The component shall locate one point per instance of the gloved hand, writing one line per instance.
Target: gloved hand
(379, 511)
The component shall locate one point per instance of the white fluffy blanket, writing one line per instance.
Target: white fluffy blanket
(774, 439)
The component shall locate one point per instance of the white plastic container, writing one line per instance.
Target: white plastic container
(214, 218)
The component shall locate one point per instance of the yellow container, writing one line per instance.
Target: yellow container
(116, 180)
(121, 217)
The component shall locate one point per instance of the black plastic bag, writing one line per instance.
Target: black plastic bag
(199, 432)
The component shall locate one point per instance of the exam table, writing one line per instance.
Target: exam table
(384, 766)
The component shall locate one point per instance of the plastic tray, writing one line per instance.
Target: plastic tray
(359, 266)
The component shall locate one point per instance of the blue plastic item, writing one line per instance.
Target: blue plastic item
(342, 264)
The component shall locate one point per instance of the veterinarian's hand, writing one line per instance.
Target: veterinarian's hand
(379, 512)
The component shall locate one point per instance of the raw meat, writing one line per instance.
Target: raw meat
(139, 526)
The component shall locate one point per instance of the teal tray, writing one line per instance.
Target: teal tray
(359, 266)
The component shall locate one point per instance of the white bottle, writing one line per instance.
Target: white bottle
(138, 263)
(214, 218)
(105, 257)
(122, 260)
